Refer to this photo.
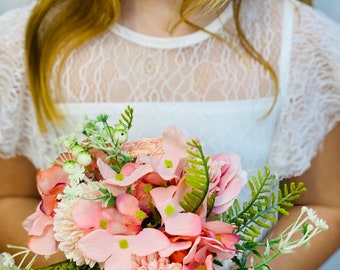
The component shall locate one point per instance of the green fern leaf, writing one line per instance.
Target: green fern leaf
(127, 117)
(197, 177)
(255, 212)
(211, 203)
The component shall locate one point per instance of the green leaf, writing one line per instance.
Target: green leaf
(127, 117)
(211, 203)
(197, 177)
(68, 265)
(254, 213)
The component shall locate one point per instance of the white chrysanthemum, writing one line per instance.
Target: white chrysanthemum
(67, 233)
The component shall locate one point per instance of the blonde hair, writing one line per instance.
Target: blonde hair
(48, 37)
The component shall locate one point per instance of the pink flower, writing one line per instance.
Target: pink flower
(51, 182)
(227, 179)
(170, 165)
(217, 238)
(141, 191)
(155, 262)
(41, 235)
(130, 173)
(124, 219)
(145, 147)
(176, 222)
(117, 251)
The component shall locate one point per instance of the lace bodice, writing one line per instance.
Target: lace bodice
(195, 82)
(208, 89)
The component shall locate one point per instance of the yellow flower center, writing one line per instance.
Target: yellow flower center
(168, 163)
(169, 210)
(140, 214)
(123, 244)
(103, 224)
(119, 177)
(147, 188)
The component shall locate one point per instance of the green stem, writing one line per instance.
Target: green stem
(265, 262)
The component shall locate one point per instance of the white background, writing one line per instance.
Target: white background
(330, 7)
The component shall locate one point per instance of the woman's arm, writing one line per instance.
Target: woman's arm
(323, 195)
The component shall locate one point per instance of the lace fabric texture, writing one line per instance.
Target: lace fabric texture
(208, 89)
(204, 87)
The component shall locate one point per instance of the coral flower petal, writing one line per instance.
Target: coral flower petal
(187, 224)
(97, 245)
(175, 247)
(133, 173)
(127, 204)
(219, 227)
(36, 223)
(148, 241)
(83, 209)
(121, 261)
(44, 244)
(49, 178)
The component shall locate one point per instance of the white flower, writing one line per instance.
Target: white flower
(71, 192)
(315, 219)
(6, 260)
(75, 171)
(67, 233)
(287, 242)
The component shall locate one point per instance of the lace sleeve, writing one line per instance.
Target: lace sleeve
(312, 100)
(15, 111)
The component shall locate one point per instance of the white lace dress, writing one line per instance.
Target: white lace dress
(194, 82)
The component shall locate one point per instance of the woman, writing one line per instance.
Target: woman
(253, 77)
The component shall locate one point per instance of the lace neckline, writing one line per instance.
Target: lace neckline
(173, 42)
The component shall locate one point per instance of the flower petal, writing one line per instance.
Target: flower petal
(97, 245)
(218, 227)
(44, 244)
(175, 247)
(83, 209)
(127, 204)
(148, 241)
(36, 223)
(130, 173)
(121, 261)
(49, 178)
(185, 224)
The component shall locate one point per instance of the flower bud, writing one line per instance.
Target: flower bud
(76, 150)
(69, 166)
(120, 136)
(84, 158)
(69, 143)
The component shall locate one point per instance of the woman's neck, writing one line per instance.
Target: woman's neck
(157, 18)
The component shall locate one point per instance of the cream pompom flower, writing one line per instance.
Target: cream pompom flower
(67, 233)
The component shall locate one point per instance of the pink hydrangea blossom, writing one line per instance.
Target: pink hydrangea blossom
(118, 251)
(124, 219)
(170, 165)
(130, 173)
(176, 221)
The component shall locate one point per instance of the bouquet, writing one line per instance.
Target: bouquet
(156, 203)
